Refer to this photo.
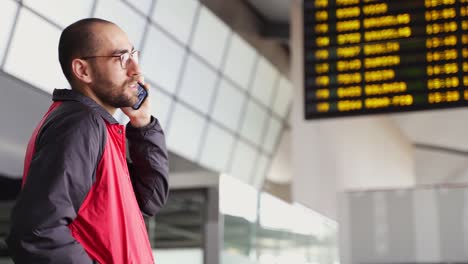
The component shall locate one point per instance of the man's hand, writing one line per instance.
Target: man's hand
(142, 116)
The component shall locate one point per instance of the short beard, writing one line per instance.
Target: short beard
(114, 100)
(109, 96)
(110, 93)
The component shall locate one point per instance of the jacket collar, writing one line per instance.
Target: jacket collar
(72, 95)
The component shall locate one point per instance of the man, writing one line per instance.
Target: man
(80, 203)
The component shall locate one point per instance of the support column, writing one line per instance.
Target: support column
(213, 228)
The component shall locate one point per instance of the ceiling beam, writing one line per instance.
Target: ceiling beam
(275, 30)
(436, 148)
(270, 29)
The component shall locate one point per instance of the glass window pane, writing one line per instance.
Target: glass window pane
(243, 161)
(176, 17)
(7, 16)
(240, 61)
(61, 12)
(161, 59)
(208, 26)
(254, 122)
(217, 148)
(273, 131)
(185, 132)
(160, 105)
(198, 84)
(228, 105)
(264, 82)
(231, 256)
(41, 69)
(178, 255)
(142, 5)
(119, 13)
(283, 97)
(260, 171)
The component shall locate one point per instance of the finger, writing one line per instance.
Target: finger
(141, 79)
(147, 86)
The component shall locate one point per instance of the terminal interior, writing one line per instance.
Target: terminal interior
(299, 131)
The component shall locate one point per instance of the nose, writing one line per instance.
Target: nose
(133, 68)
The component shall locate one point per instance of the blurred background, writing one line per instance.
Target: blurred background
(270, 162)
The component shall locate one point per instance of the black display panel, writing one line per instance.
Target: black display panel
(369, 56)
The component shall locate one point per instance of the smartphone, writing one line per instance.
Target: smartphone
(142, 94)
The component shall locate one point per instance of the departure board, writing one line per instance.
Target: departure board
(370, 56)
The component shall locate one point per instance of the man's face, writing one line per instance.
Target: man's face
(113, 85)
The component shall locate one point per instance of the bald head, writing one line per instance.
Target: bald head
(78, 40)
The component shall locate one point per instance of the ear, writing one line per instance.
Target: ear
(81, 70)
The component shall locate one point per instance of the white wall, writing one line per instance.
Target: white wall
(445, 131)
(281, 170)
(342, 153)
(421, 225)
(179, 255)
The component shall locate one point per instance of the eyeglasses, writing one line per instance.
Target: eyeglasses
(124, 57)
